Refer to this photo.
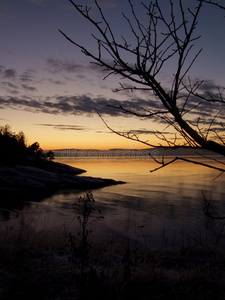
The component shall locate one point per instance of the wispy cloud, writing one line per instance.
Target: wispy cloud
(56, 82)
(10, 74)
(29, 88)
(13, 82)
(10, 85)
(66, 67)
(208, 85)
(27, 75)
(87, 105)
(64, 127)
(75, 105)
(59, 65)
(146, 131)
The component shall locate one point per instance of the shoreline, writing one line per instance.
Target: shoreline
(44, 176)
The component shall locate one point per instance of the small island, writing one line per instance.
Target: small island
(25, 169)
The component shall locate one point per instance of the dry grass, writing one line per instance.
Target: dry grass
(37, 265)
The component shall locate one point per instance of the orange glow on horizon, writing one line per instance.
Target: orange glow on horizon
(104, 141)
(92, 147)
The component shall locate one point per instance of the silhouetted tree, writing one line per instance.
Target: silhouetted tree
(6, 131)
(33, 148)
(49, 155)
(215, 3)
(20, 137)
(158, 35)
(35, 151)
(13, 148)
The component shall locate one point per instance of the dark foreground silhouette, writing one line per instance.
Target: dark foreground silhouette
(28, 170)
(46, 176)
(37, 264)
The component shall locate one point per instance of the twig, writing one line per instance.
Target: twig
(187, 160)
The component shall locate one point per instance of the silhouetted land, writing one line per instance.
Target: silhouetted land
(28, 169)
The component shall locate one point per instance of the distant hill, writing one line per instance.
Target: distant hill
(129, 153)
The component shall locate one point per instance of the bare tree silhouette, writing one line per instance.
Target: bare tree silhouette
(214, 3)
(162, 35)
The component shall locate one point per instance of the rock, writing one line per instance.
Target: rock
(20, 178)
(53, 166)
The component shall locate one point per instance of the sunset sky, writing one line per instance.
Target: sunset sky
(51, 92)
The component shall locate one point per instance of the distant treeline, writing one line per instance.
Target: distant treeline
(13, 148)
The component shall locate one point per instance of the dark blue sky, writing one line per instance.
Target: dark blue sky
(48, 85)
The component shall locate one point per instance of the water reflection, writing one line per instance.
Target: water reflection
(166, 202)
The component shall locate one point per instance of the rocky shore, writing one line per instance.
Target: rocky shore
(47, 176)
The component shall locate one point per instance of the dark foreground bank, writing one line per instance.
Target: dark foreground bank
(39, 265)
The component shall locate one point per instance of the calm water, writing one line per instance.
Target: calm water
(159, 207)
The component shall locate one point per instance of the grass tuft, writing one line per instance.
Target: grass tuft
(37, 264)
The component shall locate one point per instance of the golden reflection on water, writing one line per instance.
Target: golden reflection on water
(137, 171)
(140, 166)
(169, 200)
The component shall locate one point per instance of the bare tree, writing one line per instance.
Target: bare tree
(159, 37)
(214, 3)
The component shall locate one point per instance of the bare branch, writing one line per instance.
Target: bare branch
(209, 211)
(155, 40)
(137, 114)
(128, 135)
(214, 3)
(163, 164)
(210, 125)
